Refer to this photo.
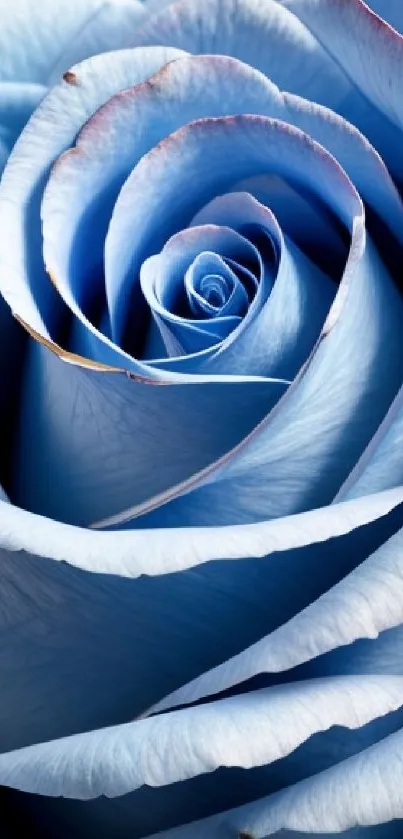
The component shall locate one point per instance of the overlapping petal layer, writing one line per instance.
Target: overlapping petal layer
(58, 620)
(39, 42)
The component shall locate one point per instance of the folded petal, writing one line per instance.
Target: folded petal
(185, 262)
(134, 553)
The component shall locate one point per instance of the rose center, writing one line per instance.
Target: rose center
(213, 288)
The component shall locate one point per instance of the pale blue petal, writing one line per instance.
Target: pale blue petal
(131, 124)
(364, 790)
(132, 554)
(106, 648)
(355, 369)
(315, 233)
(248, 730)
(201, 602)
(163, 279)
(380, 467)
(90, 442)
(23, 280)
(38, 41)
(350, 33)
(390, 10)
(365, 603)
(332, 73)
(277, 335)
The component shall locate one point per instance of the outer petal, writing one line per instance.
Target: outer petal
(132, 554)
(105, 648)
(364, 790)
(39, 41)
(368, 601)
(249, 730)
(51, 130)
(380, 467)
(261, 34)
(350, 32)
(108, 648)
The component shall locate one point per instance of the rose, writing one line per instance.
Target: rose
(247, 620)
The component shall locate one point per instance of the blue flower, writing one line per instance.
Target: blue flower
(201, 543)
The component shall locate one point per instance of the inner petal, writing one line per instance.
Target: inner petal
(195, 291)
(213, 288)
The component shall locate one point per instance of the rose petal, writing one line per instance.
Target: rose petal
(160, 276)
(390, 10)
(332, 410)
(349, 32)
(363, 790)
(89, 442)
(50, 131)
(380, 466)
(249, 730)
(83, 187)
(365, 603)
(108, 648)
(38, 41)
(268, 36)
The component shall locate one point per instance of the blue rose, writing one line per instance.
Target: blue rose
(202, 504)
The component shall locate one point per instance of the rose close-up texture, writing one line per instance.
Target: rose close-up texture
(201, 380)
